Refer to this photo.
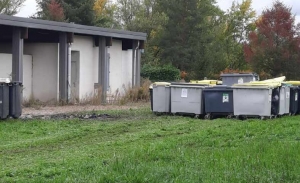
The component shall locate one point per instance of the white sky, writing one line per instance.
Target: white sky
(29, 7)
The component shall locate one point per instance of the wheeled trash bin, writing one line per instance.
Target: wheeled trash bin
(161, 97)
(218, 101)
(15, 99)
(256, 100)
(237, 78)
(4, 100)
(186, 98)
(294, 102)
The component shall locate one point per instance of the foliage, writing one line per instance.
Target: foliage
(274, 46)
(188, 37)
(55, 11)
(160, 72)
(239, 22)
(137, 146)
(10, 7)
(106, 14)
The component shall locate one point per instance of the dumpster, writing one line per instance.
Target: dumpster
(161, 97)
(4, 100)
(186, 98)
(15, 99)
(284, 104)
(218, 101)
(256, 100)
(151, 96)
(294, 102)
(237, 78)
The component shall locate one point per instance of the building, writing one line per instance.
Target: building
(59, 61)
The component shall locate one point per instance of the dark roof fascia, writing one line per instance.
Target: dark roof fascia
(69, 27)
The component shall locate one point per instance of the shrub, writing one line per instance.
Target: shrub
(160, 73)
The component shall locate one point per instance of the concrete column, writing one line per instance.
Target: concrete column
(102, 68)
(17, 55)
(63, 67)
(134, 45)
(138, 67)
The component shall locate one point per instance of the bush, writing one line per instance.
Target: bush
(160, 73)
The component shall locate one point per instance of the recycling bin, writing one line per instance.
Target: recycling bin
(256, 101)
(294, 102)
(4, 100)
(284, 104)
(218, 101)
(186, 98)
(161, 97)
(237, 78)
(15, 99)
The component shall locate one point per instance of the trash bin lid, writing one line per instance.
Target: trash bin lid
(204, 81)
(238, 74)
(257, 85)
(295, 83)
(161, 83)
(279, 79)
(174, 84)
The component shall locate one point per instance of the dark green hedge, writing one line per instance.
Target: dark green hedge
(160, 73)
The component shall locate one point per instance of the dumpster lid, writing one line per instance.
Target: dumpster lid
(219, 87)
(279, 79)
(204, 81)
(174, 84)
(5, 80)
(238, 74)
(161, 84)
(257, 85)
(295, 83)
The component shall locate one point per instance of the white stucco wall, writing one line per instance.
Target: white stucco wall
(45, 69)
(6, 69)
(84, 45)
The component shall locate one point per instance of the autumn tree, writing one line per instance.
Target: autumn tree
(239, 22)
(10, 7)
(274, 46)
(106, 14)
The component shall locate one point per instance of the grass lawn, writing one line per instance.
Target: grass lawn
(141, 147)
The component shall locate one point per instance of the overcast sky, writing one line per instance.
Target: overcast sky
(29, 7)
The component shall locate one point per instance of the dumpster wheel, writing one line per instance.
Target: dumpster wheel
(208, 116)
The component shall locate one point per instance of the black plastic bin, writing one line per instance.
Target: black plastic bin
(218, 101)
(294, 101)
(15, 99)
(4, 100)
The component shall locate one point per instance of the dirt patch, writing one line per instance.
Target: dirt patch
(61, 110)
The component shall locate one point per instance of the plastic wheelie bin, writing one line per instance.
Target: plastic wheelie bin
(297, 85)
(161, 97)
(15, 99)
(218, 101)
(237, 78)
(186, 98)
(4, 100)
(256, 100)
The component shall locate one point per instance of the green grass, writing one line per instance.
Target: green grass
(140, 147)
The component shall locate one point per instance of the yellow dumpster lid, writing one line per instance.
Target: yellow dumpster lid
(295, 83)
(279, 79)
(204, 81)
(161, 83)
(260, 84)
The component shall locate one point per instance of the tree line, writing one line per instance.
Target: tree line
(195, 36)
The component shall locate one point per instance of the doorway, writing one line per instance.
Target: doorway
(75, 63)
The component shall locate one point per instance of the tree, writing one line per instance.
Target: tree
(239, 22)
(79, 11)
(105, 12)
(188, 39)
(55, 11)
(274, 47)
(10, 7)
